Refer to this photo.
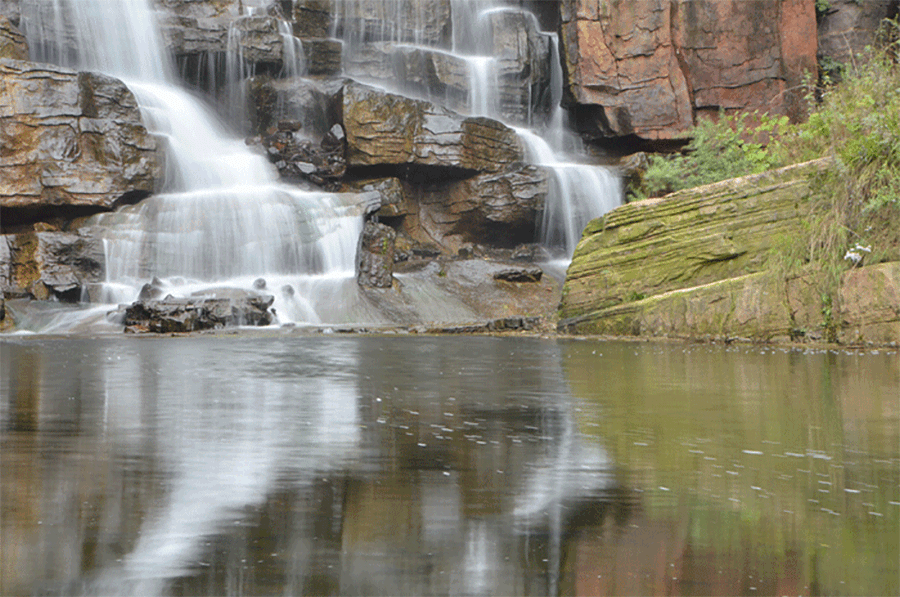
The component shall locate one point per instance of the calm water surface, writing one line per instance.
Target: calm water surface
(231, 465)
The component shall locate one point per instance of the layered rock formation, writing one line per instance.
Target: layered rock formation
(50, 264)
(648, 68)
(699, 264)
(69, 139)
(389, 129)
(466, 177)
(12, 42)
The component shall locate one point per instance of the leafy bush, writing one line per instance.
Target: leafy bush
(728, 147)
(856, 122)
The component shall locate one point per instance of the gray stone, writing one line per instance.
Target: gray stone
(375, 256)
(51, 264)
(520, 274)
(848, 26)
(423, 22)
(176, 315)
(10, 9)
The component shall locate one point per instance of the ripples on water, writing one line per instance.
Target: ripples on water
(374, 465)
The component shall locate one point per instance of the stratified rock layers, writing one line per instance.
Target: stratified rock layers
(698, 264)
(70, 138)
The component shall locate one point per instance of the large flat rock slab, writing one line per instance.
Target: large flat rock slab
(388, 129)
(70, 139)
(686, 239)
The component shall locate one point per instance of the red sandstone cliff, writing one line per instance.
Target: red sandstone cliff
(649, 67)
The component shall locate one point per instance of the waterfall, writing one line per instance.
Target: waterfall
(579, 191)
(220, 217)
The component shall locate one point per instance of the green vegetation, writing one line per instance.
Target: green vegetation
(855, 122)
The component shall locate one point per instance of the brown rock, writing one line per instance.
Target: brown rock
(312, 18)
(12, 42)
(387, 129)
(51, 264)
(869, 305)
(323, 56)
(70, 139)
(645, 68)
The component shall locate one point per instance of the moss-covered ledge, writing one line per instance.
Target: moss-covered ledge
(687, 238)
(697, 264)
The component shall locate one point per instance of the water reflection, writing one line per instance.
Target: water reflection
(290, 465)
(452, 466)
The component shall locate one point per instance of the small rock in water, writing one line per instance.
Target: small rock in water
(259, 284)
(287, 290)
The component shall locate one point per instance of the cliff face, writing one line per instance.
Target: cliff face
(648, 68)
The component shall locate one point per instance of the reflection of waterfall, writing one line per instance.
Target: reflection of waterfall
(222, 216)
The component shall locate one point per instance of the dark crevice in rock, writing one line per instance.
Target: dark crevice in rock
(421, 175)
(14, 220)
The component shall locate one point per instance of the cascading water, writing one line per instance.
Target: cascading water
(579, 191)
(221, 217)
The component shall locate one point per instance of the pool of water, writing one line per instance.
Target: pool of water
(373, 465)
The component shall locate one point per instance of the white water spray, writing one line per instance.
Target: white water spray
(221, 217)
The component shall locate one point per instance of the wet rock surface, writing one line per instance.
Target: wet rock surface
(51, 264)
(297, 157)
(12, 42)
(375, 256)
(199, 31)
(424, 22)
(176, 315)
(70, 139)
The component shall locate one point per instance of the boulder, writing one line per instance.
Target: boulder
(375, 256)
(704, 264)
(499, 209)
(12, 43)
(520, 273)
(70, 139)
(646, 68)
(51, 264)
(176, 315)
(391, 130)
(869, 305)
